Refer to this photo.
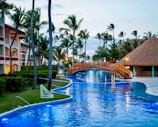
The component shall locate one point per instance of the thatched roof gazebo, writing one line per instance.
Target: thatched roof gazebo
(144, 59)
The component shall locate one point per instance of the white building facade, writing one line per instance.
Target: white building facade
(6, 36)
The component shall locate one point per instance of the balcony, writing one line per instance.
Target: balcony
(13, 58)
(8, 42)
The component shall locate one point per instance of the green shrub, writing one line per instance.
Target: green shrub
(54, 73)
(3, 75)
(2, 85)
(15, 84)
(29, 81)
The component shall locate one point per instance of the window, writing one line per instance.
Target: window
(1, 31)
(1, 16)
(1, 49)
(1, 69)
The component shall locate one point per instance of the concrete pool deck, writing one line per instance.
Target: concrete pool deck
(150, 82)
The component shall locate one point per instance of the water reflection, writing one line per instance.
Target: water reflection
(94, 76)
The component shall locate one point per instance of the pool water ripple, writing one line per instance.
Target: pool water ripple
(94, 104)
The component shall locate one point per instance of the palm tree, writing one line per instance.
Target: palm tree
(122, 35)
(26, 24)
(5, 7)
(148, 35)
(17, 17)
(84, 34)
(79, 46)
(126, 48)
(111, 27)
(135, 44)
(37, 24)
(135, 33)
(50, 45)
(73, 26)
(106, 37)
(101, 53)
(58, 55)
(43, 46)
(66, 44)
(113, 52)
(32, 44)
(98, 36)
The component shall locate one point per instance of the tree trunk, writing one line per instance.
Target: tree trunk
(27, 68)
(50, 45)
(10, 49)
(42, 56)
(33, 50)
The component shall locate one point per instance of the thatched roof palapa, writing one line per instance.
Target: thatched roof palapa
(144, 55)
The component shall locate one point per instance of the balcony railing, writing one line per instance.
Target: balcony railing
(7, 41)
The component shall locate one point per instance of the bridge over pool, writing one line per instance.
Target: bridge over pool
(115, 68)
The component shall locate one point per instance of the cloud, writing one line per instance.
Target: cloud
(129, 20)
(57, 6)
(59, 14)
(54, 6)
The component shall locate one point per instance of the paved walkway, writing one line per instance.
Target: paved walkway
(151, 84)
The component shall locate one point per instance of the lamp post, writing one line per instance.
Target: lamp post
(126, 59)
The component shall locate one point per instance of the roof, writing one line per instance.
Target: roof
(21, 33)
(25, 44)
(144, 55)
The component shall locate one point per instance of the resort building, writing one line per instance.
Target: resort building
(6, 36)
(143, 60)
(24, 53)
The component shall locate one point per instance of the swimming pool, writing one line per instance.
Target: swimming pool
(96, 103)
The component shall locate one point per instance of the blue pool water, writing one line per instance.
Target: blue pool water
(96, 103)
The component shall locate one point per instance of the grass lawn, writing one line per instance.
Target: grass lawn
(32, 96)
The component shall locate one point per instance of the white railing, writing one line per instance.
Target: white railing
(22, 99)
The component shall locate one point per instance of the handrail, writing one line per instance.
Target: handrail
(20, 99)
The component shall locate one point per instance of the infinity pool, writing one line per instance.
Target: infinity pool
(96, 103)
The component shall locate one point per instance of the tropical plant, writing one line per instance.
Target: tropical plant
(122, 35)
(100, 53)
(66, 43)
(98, 36)
(126, 48)
(106, 37)
(37, 25)
(84, 34)
(43, 46)
(135, 44)
(135, 34)
(5, 7)
(79, 45)
(58, 55)
(73, 25)
(111, 27)
(56, 39)
(113, 52)
(148, 35)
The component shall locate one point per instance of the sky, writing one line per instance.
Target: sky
(97, 15)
